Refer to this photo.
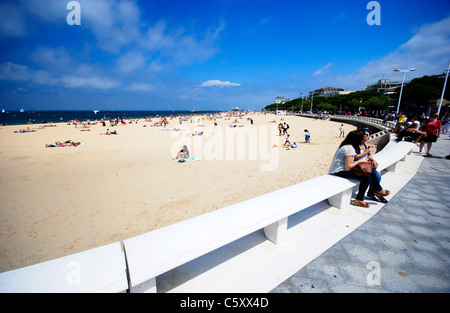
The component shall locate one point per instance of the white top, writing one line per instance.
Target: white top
(338, 163)
(362, 150)
(416, 125)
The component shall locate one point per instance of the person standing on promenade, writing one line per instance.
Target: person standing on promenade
(432, 127)
(445, 123)
(343, 163)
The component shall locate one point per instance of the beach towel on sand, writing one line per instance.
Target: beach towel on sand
(188, 160)
(63, 145)
(192, 159)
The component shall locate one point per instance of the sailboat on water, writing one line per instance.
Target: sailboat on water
(21, 110)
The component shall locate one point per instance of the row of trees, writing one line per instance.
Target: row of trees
(370, 100)
(416, 97)
(422, 91)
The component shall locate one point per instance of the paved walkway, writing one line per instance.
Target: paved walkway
(405, 247)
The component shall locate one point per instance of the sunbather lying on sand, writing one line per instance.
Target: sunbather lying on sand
(21, 131)
(68, 143)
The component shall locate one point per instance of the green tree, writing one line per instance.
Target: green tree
(324, 106)
(420, 91)
(354, 105)
(416, 94)
(378, 103)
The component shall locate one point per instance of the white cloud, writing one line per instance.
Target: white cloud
(218, 83)
(156, 38)
(43, 78)
(20, 73)
(53, 59)
(18, 16)
(428, 51)
(52, 11)
(89, 82)
(156, 66)
(117, 27)
(12, 22)
(176, 47)
(323, 69)
(141, 87)
(130, 62)
(14, 72)
(115, 24)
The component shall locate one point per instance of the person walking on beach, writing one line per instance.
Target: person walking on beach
(341, 131)
(343, 163)
(280, 129)
(287, 143)
(307, 136)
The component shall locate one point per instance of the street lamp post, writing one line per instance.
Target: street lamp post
(443, 90)
(301, 96)
(403, 81)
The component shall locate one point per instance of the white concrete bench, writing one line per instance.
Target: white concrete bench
(154, 253)
(102, 269)
(389, 157)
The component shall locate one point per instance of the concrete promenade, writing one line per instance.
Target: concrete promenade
(405, 247)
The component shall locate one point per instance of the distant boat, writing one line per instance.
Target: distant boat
(96, 111)
(3, 110)
(21, 110)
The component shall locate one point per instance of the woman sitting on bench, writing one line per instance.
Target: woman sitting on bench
(343, 164)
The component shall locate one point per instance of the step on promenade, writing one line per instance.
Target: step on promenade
(405, 247)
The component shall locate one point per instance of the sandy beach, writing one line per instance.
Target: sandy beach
(55, 201)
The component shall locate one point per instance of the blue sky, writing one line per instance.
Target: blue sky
(215, 54)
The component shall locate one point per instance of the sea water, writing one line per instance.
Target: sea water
(38, 117)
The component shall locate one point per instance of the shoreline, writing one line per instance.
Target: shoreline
(63, 200)
(89, 114)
